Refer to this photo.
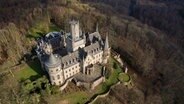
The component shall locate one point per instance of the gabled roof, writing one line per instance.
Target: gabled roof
(94, 35)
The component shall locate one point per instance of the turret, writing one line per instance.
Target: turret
(75, 31)
(48, 48)
(54, 69)
(75, 39)
(97, 27)
(106, 53)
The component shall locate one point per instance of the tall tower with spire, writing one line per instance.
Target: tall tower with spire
(106, 53)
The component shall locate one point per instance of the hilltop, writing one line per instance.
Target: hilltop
(152, 46)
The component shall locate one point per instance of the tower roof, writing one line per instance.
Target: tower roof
(53, 61)
(106, 43)
(97, 27)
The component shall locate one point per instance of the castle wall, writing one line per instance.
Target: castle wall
(56, 75)
(71, 71)
(94, 59)
(97, 82)
(75, 29)
(79, 43)
(97, 58)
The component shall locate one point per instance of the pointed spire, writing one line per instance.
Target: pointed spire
(106, 43)
(83, 59)
(97, 27)
(52, 58)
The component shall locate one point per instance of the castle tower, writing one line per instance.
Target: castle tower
(75, 31)
(75, 40)
(54, 69)
(106, 53)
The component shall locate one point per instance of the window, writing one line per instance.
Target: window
(58, 76)
(69, 69)
(60, 82)
(75, 66)
(53, 78)
(56, 69)
(66, 76)
(65, 71)
(54, 83)
(72, 68)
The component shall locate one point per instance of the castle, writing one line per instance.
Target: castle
(65, 55)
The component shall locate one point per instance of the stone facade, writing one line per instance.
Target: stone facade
(63, 55)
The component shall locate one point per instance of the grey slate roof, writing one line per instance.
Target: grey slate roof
(94, 35)
(75, 57)
(53, 61)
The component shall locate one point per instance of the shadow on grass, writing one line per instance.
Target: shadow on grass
(36, 66)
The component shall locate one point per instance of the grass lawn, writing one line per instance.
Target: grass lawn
(32, 70)
(79, 97)
(113, 78)
(124, 77)
(41, 28)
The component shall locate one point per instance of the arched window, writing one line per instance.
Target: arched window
(58, 76)
(73, 60)
(53, 78)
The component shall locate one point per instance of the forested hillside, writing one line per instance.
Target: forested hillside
(147, 34)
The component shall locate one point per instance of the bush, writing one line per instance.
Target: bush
(115, 65)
